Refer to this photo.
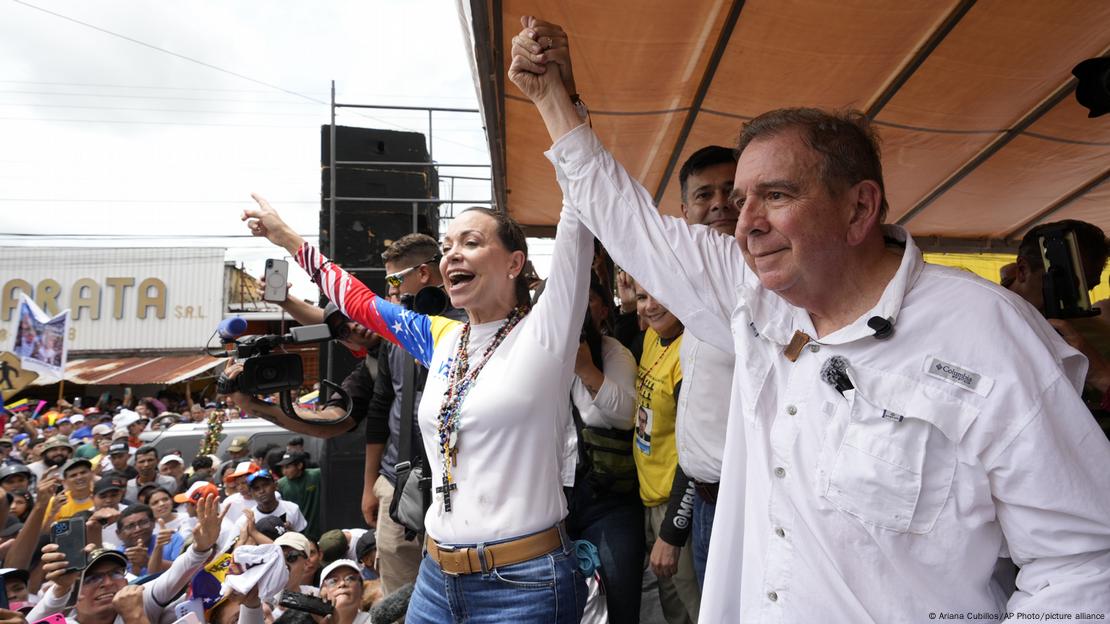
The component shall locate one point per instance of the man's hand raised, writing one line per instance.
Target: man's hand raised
(265, 221)
(541, 69)
(539, 45)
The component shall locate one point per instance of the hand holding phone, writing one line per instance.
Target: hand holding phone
(69, 535)
(277, 281)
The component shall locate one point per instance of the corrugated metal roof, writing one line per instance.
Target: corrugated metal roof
(136, 370)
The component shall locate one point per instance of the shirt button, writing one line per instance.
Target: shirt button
(814, 347)
(790, 409)
(780, 472)
(772, 596)
(780, 532)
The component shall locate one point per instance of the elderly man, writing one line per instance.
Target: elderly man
(892, 447)
(104, 578)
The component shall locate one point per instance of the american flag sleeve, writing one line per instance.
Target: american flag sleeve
(411, 331)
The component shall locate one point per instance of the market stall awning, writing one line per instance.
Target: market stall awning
(982, 137)
(135, 371)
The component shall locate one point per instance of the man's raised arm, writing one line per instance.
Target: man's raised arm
(694, 272)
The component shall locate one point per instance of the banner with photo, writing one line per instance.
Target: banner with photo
(40, 340)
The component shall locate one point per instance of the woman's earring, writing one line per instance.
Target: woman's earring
(511, 276)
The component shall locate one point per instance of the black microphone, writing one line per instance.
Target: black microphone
(835, 373)
(393, 607)
(883, 327)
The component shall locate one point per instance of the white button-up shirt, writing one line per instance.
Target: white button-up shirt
(702, 412)
(893, 500)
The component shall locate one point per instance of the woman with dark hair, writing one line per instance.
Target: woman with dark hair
(493, 414)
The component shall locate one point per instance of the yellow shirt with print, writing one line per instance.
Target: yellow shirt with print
(74, 507)
(653, 443)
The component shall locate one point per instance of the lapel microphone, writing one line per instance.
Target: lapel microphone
(835, 373)
(882, 326)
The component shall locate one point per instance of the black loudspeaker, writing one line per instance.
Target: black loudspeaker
(364, 229)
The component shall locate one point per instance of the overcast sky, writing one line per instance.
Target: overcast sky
(105, 135)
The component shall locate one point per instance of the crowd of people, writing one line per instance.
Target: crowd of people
(222, 538)
(775, 405)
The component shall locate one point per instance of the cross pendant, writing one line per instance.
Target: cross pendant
(445, 489)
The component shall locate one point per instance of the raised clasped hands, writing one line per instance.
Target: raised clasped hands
(541, 60)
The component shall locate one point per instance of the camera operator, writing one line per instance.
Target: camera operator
(359, 384)
(1090, 336)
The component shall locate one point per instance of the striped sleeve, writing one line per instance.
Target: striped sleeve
(415, 333)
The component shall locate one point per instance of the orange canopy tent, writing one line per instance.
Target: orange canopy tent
(974, 100)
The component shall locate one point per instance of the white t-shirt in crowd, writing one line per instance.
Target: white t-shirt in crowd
(290, 512)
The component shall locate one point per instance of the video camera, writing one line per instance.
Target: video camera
(265, 372)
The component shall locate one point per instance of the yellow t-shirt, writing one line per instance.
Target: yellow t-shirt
(653, 445)
(74, 507)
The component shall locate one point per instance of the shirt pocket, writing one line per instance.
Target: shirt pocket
(894, 465)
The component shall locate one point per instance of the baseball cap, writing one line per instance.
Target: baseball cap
(238, 444)
(109, 483)
(7, 441)
(14, 469)
(116, 448)
(333, 545)
(15, 573)
(366, 543)
(261, 474)
(101, 554)
(243, 469)
(272, 527)
(171, 458)
(125, 418)
(63, 419)
(76, 461)
(339, 563)
(19, 437)
(196, 491)
(102, 429)
(77, 418)
(11, 527)
(294, 540)
(58, 441)
(291, 458)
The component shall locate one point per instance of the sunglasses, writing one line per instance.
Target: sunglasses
(350, 579)
(396, 279)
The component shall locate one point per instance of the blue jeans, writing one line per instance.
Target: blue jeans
(615, 525)
(703, 528)
(545, 590)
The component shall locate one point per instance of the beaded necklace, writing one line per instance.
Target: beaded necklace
(460, 379)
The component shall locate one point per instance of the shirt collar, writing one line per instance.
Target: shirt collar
(776, 320)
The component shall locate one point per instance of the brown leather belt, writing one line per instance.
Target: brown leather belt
(455, 561)
(707, 491)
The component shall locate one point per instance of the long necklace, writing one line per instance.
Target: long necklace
(460, 379)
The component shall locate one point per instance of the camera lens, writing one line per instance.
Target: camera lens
(269, 373)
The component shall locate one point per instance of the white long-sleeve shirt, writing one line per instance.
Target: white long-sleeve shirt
(892, 500)
(157, 594)
(614, 405)
(702, 412)
(511, 435)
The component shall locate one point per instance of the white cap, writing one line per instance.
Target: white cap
(125, 418)
(169, 459)
(294, 540)
(102, 429)
(339, 563)
(76, 418)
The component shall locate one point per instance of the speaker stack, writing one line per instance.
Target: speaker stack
(374, 212)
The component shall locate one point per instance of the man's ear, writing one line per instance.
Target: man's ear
(866, 203)
(685, 211)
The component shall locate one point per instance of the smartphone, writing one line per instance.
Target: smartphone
(55, 618)
(304, 602)
(277, 280)
(69, 535)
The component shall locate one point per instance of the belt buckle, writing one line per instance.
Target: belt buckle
(452, 562)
